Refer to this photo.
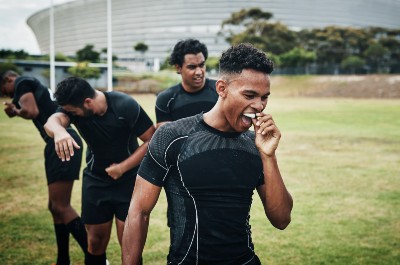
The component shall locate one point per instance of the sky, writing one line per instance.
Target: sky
(15, 34)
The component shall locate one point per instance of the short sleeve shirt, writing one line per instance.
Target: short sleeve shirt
(43, 98)
(112, 137)
(175, 103)
(209, 177)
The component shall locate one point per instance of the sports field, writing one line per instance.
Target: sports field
(340, 159)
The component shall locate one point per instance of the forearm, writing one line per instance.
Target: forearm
(54, 125)
(134, 238)
(25, 114)
(278, 201)
(134, 159)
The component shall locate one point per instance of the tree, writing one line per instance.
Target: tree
(9, 66)
(141, 47)
(84, 71)
(376, 55)
(88, 54)
(297, 57)
(10, 54)
(253, 26)
(353, 64)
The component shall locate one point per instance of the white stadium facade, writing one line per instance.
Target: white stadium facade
(161, 23)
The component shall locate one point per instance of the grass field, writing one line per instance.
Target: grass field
(340, 159)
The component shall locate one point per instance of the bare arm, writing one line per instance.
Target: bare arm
(64, 143)
(277, 201)
(117, 170)
(29, 109)
(144, 198)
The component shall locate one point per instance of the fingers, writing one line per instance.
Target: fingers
(264, 124)
(65, 148)
(114, 171)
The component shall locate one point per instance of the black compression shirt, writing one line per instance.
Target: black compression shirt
(209, 178)
(112, 138)
(45, 104)
(175, 103)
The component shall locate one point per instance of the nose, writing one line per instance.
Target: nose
(259, 106)
(198, 71)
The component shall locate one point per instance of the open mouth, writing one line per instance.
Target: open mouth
(250, 115)
(247, 118)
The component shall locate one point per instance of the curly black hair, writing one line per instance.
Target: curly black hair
(188, 46)
(244, 56)
(73, 91)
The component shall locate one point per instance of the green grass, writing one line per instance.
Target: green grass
(340, 159)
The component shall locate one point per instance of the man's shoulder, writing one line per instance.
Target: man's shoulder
(167, 93)
(119, 99)
(182, 126)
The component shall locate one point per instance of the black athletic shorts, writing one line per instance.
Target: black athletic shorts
(56, 169)
(102, 199)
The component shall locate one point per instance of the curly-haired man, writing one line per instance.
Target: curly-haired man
(195, 93)
(209, 165)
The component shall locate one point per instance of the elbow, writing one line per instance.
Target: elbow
(283, 223)
(281, 219)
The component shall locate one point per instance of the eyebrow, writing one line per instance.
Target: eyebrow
(203, 62)
(255, 93)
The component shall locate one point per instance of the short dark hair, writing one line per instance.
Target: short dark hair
(6, 73)
(73, 91)
(244, 56)
(3, 76)
(188, 46)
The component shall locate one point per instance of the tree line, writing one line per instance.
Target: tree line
(329, 50)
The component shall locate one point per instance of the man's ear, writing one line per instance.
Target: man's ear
(178, 69)
(88, 103)
(222, 88)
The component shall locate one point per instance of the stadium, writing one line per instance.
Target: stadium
(160, 24)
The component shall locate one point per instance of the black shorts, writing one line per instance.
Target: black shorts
(57, 170)
(102, 199)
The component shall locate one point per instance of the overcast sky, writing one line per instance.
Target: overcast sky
(15, 34)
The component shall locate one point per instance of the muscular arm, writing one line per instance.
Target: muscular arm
(144, 198)
(29, 109)
(117, 170)
(64, 143)
(277, 201)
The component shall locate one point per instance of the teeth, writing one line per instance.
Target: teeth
(250, 115)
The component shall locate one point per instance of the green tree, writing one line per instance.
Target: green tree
(88, 54)
(376, 55)
(141, 47)
(9, 66)
(297, 57)
(353, 64)
(84, 71)
(392, 44)
(253, 26)
(212, 63)
(10, 54)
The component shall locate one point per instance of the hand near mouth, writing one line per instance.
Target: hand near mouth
(267, 134)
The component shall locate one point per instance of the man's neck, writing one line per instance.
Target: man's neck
(101, 103)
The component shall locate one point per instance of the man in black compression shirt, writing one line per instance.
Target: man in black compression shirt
(32, 101)
(110, 123)
(195, 93)
(209, 165)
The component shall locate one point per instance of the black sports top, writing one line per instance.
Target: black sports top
(112, 138)
(42, 95)
(209, 177)
(175, 103)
